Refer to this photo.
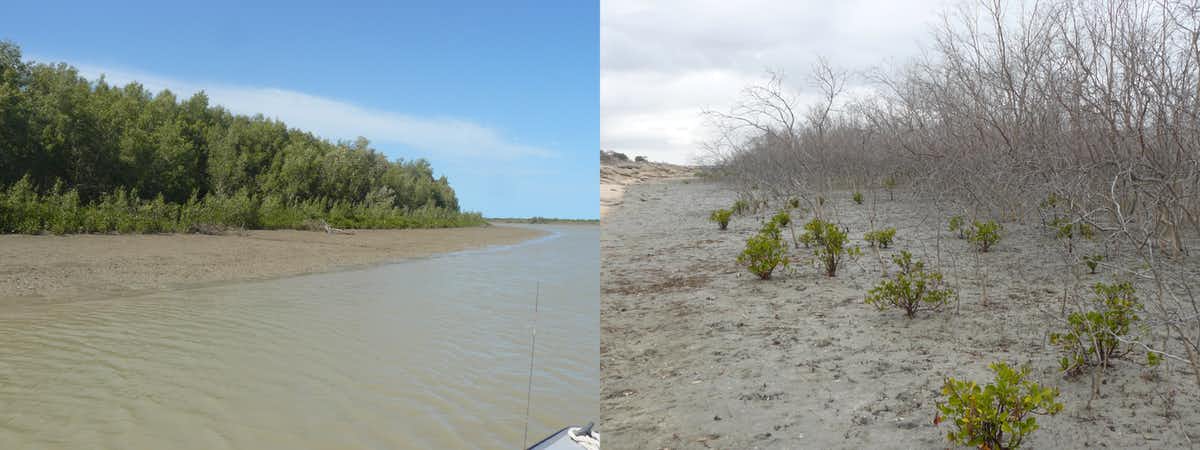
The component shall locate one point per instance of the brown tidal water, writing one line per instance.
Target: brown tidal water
(424, 353)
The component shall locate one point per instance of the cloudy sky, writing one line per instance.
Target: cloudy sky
(663, 62)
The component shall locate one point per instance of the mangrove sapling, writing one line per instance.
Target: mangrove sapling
(1092, 262)
(740, 207)
(764, 252)
(956, 225)
(1095, 337)
(782, 219)
(829, 244)
(984, 234)
(858, 198)
(721, 217)
(1066, 231)
(880, 238)
(996, 416)
(913, 288)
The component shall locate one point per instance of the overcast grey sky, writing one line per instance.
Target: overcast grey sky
(663, 61)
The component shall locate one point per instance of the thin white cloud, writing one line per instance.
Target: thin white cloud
(335, 119)
(663, 62)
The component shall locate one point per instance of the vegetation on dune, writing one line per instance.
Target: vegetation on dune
(86, 156)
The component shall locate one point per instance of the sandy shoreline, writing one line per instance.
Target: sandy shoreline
(76, 267)
(698, 353)
(615, 176)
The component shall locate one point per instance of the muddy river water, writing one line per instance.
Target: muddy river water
(424, 353)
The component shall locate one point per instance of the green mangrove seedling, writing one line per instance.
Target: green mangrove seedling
(999, 415)
(764, 252)
(880, 238)
(1094, 337)
(740, 207)
(1092, 262)
(721, 217)
(912, 290)
(984, 234)
(782, 218)
(858, 198)
(956, 225)
(829, 244)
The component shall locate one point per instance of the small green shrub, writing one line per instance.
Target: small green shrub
(1093, 338)
(912, 290)
(984, 234)
(829, 244)
(721, 217)
(813, 233)
(999, 415)
(793, 203)
(956, 225)
(741, 207)
(880, 238)
(858, 198)
(764, 252)
(1092, 262)
(782, 219)
(1066, 231)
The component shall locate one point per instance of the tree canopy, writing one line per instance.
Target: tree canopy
(62, 133)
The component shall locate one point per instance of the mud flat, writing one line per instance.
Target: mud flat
(76, 267)
(696, 352)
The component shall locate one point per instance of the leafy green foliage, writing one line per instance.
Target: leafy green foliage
(782, 219)
(912, 290)
(1093, 337)
(764, 252)
(1092, 262)
(1066, 231)
(984, 234)
(829, 244)
(22, 210)
(793, 203)
(721, 217)
(880, 238)
(999, 415)
(956, 225)
(77, 155)
(741, 207)
(858, 198)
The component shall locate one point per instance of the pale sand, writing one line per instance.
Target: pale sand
(696, 352)
(614, 177)
(75, 267)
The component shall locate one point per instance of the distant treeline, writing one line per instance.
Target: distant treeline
(83, 156)
(541, 220)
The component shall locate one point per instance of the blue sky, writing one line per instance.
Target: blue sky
(501, 97)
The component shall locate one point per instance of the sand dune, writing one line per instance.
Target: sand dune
(615, 175)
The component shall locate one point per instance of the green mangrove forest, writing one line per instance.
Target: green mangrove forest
(86, 156)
